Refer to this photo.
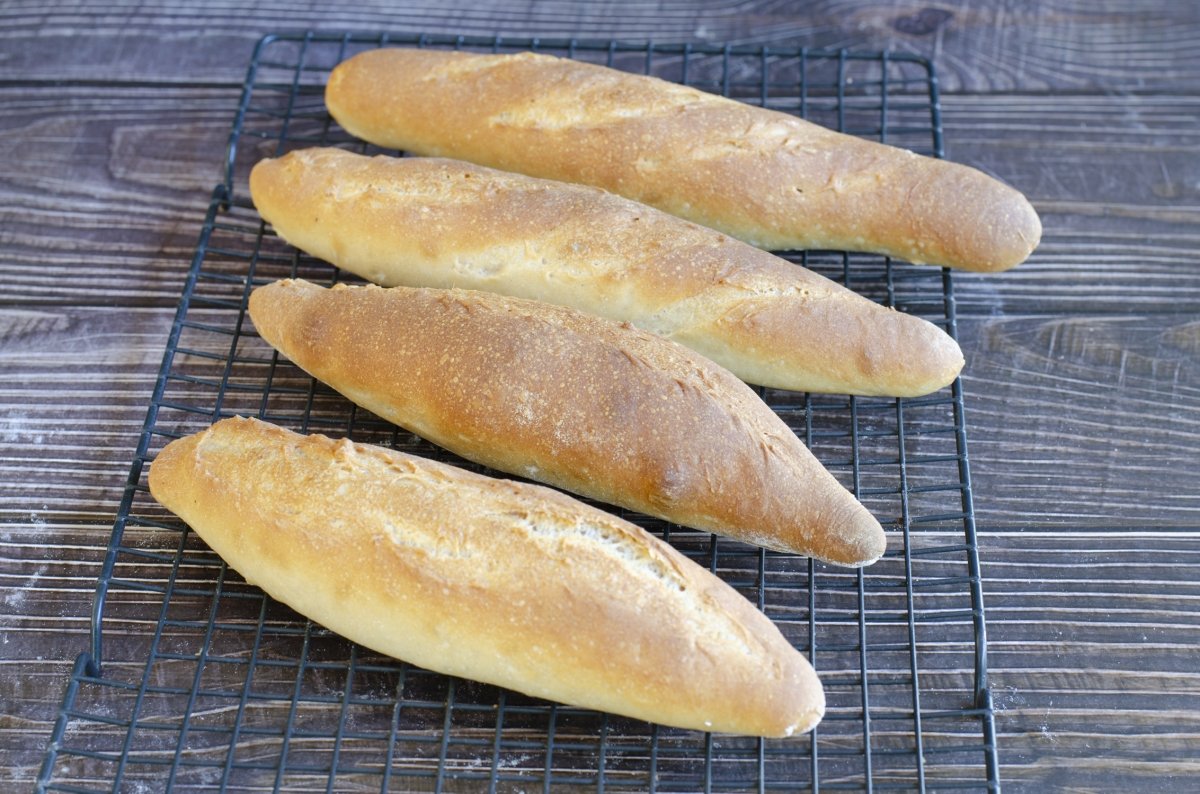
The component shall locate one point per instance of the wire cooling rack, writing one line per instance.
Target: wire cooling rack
(197, 681)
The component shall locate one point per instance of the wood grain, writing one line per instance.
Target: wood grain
(979, 46)
(103, 191)
(1084, 421)
(1117, 182)
(1095, 440)
(1081, 380)
(110, 185)
(1087, 624)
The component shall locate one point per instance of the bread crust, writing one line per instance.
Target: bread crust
(502, 582)
(765, 177)
(595, 407)
(432, 222)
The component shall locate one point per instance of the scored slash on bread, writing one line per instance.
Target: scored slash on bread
(595, 407)
(765, 177)
(430, 222)
(502, 582)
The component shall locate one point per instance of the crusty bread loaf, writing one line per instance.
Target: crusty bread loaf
(512, 584)
(429, 222)
(593, 406)
(762, 176)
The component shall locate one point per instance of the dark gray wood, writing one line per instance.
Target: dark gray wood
(979, 46)
(1094, 659)
(1082, 388)
(1084, 421)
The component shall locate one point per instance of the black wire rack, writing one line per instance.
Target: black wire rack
(196, 681)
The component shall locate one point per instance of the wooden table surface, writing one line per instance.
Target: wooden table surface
(1082, 379)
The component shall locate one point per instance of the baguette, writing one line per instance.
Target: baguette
(429, 222)
(511, 584)
(765, 177)
(572, 400)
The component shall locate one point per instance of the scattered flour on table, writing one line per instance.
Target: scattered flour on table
(16, 596)
(16, 428)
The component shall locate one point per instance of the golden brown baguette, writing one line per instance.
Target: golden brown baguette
(762, 176)
(511, 584)
(430, 222)
(589, 405)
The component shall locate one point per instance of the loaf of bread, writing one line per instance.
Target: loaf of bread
(502, 582)
(765, 177)
(595, 407)
(429, 222)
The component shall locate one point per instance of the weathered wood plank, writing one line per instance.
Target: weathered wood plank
(1116, 182)
(1081, 382)
(1094, 665)
(103, 191)
(1083, 422)
(1028, 46)
(110, 186)
(1104, 409)
(1080, 626)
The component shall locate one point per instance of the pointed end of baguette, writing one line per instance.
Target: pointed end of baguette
(271, 304)
(1027, 227)
(164, 478)
(291, 193)
(899, 355)
(839, 529)
(810, 707)
(989, 227)
(833, 528)
(1008, 233)
(931, 359)
(171, 479)
(889, 353)
(858, 539)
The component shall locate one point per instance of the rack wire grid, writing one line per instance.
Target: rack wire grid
(196, 681)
